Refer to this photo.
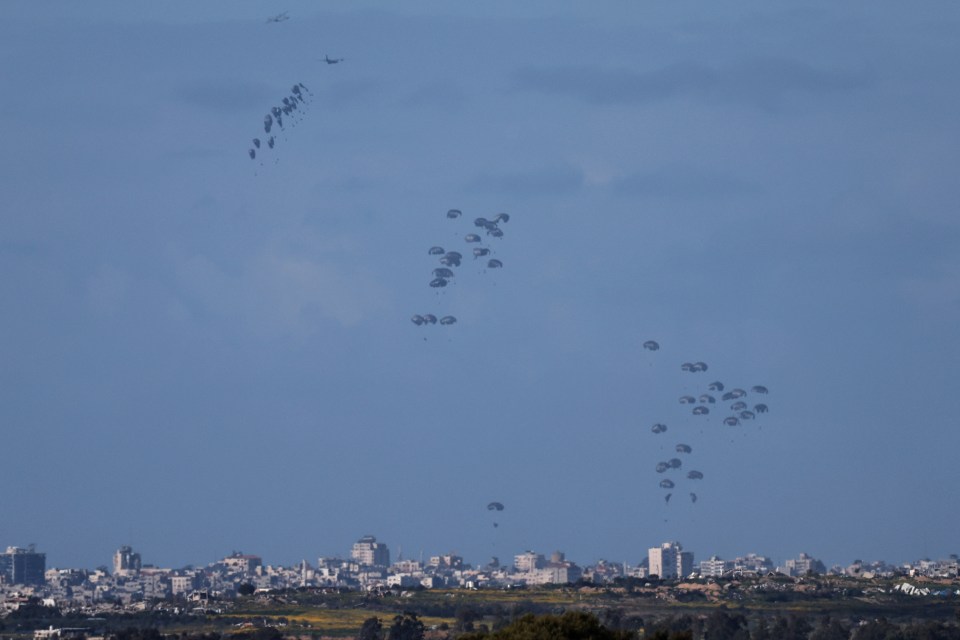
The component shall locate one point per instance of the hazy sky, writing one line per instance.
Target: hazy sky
(201, 353)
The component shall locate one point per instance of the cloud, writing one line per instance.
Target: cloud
(758, 82)
(680, 181)
(561, 179)
(283, 290)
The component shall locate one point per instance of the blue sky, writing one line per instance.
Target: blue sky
(200, 353)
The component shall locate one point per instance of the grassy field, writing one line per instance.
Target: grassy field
(314, 613)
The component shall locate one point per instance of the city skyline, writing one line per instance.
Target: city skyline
(369, 551)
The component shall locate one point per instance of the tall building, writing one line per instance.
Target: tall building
(242, 563)
(685, 564)
(714, 567)
(528, 561)
(802, 566)
(669, 560)
(367, 551)
(126, 562)
(752, 562)
(22, 566)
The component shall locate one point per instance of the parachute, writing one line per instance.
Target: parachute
(761, 408)
(701, 400)
(430, 318)
(291, 106)
(417, 320)
(495, 506)
(666, 498)
(451, 259)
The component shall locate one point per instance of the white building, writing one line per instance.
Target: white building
(753, 563)
(368, 552)
(802, 566)
(714, 567)
(183, 584)
(241, 563)
(126, 562)
(669, 560)
(528, 561)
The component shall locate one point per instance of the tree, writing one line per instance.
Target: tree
(572, 625)
(830, 629)
(722, 625)
(792, 627)
(266, 633)
(931, 630)
(761, 631)
(466, 615)
(878, 630)
(246, 589)
(372, 629)
(406, 627)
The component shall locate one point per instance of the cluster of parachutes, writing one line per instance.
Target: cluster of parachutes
(291, 107)
(429, 318)
(701, 404)
(444, 274)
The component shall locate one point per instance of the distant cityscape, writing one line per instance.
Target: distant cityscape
(130, 582)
